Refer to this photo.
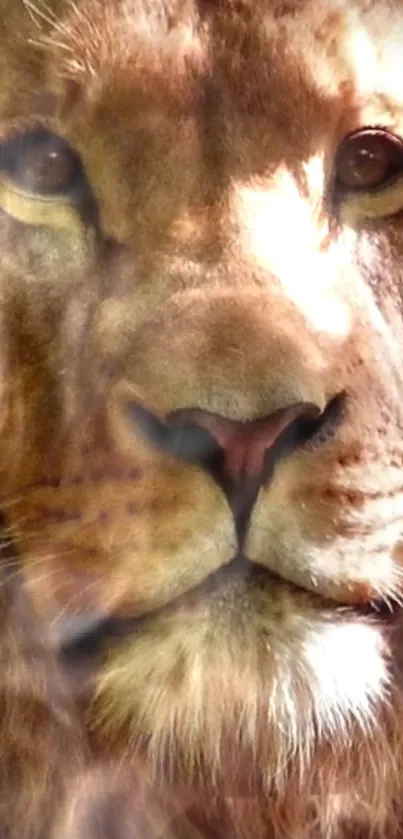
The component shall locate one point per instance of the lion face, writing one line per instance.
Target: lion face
(201, 384)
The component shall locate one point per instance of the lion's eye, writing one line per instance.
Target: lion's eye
(367, 159)
(41, 162)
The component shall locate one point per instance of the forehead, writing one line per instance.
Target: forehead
(95, 36)
(282, 70)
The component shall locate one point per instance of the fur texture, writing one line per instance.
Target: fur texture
(186, 245)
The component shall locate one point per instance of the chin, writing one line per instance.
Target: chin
(260, 703)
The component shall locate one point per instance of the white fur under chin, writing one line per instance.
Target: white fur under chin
(350, 674)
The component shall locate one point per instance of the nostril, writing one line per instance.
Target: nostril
(239, 452)
(235, 449)
(184, 439)
(244, 446)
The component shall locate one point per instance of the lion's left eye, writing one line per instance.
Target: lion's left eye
(367, 159)
(41, 162)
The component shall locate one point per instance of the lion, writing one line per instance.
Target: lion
(201, 434)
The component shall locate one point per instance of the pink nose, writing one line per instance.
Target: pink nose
(245, 445)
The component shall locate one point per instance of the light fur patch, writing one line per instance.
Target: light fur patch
(388, 202)
(39, 210)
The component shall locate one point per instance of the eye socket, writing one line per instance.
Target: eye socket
(367, 159)
(41, 162)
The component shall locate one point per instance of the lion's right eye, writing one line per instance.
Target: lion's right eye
(367, 160)
(40, 162)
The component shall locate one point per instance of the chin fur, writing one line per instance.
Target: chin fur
(295, 720)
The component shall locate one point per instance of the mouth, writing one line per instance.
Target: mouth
(82, 645)
(81, 640)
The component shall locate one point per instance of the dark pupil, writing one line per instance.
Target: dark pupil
(45, 164)
(46, 168)
(367, 162)
(365, 165)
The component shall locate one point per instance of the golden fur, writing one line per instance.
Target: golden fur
(207, 268)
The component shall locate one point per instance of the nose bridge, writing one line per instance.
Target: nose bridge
(231, 351)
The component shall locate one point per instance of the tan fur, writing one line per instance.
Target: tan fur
(211, 274)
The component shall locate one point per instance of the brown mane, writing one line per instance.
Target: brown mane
(201, 419)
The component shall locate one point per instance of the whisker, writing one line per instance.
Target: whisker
(39, 11)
